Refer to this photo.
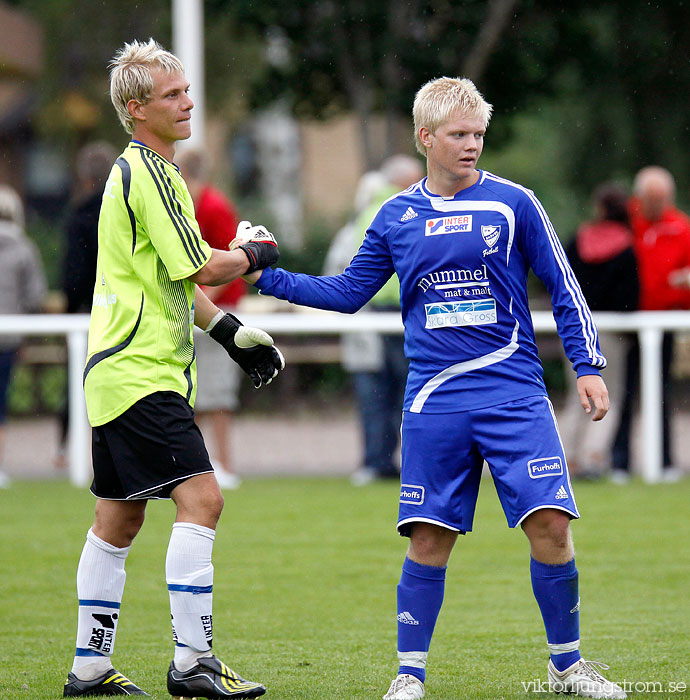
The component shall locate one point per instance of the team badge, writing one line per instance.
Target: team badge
(491, 234)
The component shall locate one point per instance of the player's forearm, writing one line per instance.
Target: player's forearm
(223, 266)
(204, 309)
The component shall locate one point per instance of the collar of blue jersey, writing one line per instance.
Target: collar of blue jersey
(431, 195)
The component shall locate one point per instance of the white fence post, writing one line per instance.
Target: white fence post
(651, 396)
(79, 463)
(188, 45)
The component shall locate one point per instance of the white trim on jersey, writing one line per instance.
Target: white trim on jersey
(462, 367)
(572, 285)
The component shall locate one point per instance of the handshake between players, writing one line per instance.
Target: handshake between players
(252, 348)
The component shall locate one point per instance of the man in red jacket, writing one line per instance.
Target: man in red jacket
(218, 377)
(662, 246)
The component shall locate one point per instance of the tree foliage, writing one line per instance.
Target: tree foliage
(608, 78)
(612, 75)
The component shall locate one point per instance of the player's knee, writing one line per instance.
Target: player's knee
(549, 524)
(132, 524)
(118, 522)
(431, 544)
(211, 504)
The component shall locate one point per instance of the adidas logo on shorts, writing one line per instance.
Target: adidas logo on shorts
(409, 214)
(561, 493)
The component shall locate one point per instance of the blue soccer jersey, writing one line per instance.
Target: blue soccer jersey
(463, 263)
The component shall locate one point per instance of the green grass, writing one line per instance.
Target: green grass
(305, 591)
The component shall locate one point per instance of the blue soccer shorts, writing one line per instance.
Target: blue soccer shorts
(443, 455)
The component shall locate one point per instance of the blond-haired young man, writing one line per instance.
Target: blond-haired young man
(462, 241)
(139, 383)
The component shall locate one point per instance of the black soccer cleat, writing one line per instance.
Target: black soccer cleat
(112, 682)
(210, 679)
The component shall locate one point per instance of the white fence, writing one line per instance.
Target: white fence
(649, 325)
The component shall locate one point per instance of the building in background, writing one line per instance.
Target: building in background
(21, 60)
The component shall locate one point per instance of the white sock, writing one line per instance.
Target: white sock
(186, 658)
(189, 574)
(100, 583)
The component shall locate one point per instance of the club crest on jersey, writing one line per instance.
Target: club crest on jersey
(546, 466)
(491, 234)
(448, 224)
(460, 313)
(411, 494)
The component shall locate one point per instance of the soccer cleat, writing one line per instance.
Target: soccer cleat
(582, 678)
(110, 683)
(210, 679)
(405, 687)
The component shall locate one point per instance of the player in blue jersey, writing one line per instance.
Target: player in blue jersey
(462, 242)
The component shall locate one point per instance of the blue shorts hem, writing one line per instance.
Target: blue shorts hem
(573, 513)
(403, 526)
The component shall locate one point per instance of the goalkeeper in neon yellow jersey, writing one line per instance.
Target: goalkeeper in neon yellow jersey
(139, 383)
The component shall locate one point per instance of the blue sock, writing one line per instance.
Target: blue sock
(556, 590)
(420, 595)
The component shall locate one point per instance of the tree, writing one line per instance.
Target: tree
(609, 78)
(368, 56)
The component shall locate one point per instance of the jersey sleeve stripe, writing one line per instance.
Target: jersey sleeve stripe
(172, 206)
(589, 331)
(176, 209)
(573, 286)
(126, 184)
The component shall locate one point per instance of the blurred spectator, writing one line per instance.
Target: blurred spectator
(662, 245)
(376, 361)
(602, 257)
(218, 377)
(91, 170)
(22, 288)
(92, 167)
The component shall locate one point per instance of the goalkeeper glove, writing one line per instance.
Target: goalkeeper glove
(251, 348)
(258, 244)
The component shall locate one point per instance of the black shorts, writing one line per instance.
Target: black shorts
(148, 450)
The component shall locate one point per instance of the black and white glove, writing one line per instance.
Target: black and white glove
(251, 348)
(258, 244)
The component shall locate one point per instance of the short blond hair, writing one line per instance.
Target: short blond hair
(439, 99)
(130, 75)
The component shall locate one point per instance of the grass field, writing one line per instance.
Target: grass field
(305, 592)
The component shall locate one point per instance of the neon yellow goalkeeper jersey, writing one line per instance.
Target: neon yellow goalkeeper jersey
(140, 335)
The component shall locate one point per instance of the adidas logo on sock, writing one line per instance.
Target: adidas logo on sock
(409, 214)
(405, 617)
(561, 493)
